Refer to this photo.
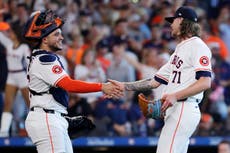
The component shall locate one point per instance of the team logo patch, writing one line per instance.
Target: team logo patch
(204, 61)
(57, 69)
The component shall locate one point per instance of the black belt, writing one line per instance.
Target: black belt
(51, 111)
(182, 100)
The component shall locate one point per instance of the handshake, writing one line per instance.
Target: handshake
(154, 109)
(113, 89)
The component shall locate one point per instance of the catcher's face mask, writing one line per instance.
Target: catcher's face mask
(41, 24)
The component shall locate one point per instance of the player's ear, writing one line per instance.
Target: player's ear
(45, 40)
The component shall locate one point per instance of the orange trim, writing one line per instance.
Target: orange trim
(163, 78)
(174, 135)
(60, 79)
(58, 21)
(30, 32)
(203, 70)
(51, 141)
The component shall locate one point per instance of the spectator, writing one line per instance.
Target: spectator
(224, 25)
(74, 52)
(205, 126)
(23, 15)
(102, 48)
(225, 80)
(118, 113)
(224, 146)
(211, 39)
(91, 71)
(119, 29)
(120, 69)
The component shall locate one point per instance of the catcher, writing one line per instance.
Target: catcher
(47, 121)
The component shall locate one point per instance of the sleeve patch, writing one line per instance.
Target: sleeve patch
(47, 58)
(204, 61)
(57, 69)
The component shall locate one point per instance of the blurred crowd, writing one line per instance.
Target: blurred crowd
(125, 40)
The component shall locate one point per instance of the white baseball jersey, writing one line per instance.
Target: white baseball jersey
(190, 57)
(44, 71)
(189, 62)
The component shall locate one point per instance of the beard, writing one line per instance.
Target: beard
(174, 34)
(55, 48)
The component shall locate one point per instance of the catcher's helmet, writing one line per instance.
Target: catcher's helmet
(41, 24)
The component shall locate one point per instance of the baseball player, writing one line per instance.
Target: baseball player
(48, 83)
(186, 75)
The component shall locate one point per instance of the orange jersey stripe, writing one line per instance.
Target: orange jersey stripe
(178, 123)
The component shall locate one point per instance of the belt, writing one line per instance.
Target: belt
(50, 111)
(190, 99)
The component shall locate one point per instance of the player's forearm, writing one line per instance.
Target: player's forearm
(141, 85)
(202, 84)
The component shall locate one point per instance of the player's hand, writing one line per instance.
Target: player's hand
(117, 83)
(112, 90)
(168, 101)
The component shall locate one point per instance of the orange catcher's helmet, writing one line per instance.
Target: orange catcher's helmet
(41, 24)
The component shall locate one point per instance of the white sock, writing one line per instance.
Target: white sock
(6, 121)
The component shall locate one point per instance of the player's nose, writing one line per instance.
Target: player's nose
(61, 37)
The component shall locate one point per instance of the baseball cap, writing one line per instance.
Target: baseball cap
(85, 12)
(102, 44)
(118, 40)
(184, 12)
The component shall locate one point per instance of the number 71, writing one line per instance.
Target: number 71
(177, 76)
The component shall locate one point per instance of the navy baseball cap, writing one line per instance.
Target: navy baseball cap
(117, 40)
(102, 44)
(184, 12)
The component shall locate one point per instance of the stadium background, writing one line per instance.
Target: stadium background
(95, 24)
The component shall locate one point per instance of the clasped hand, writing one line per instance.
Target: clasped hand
(112, 90)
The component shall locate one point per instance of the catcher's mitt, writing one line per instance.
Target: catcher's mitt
(78, 124)
(150, 109)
